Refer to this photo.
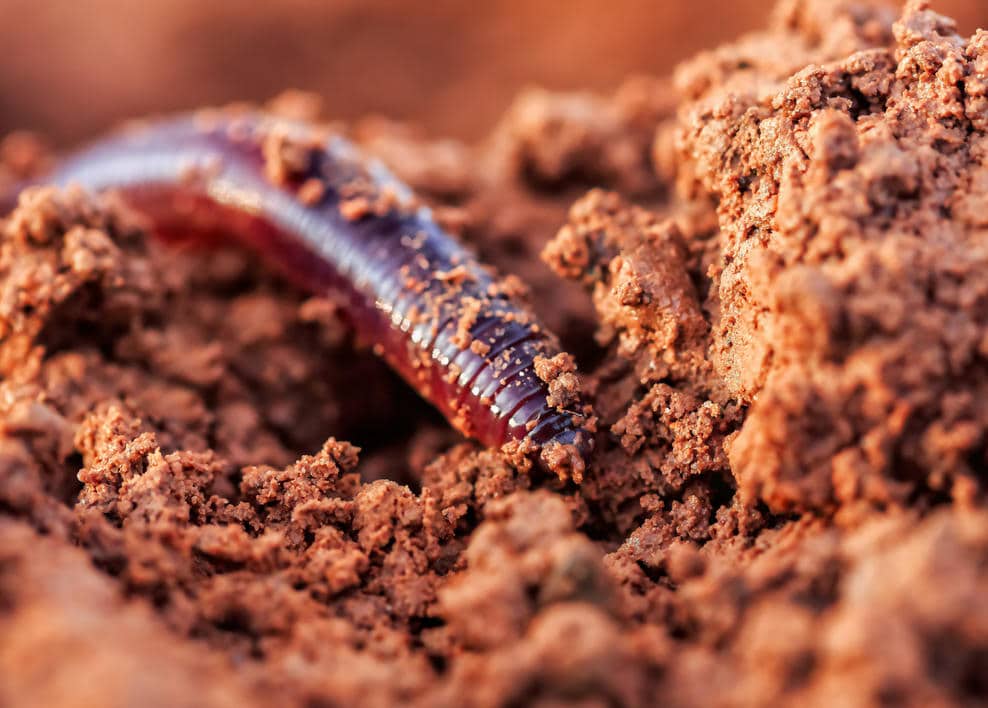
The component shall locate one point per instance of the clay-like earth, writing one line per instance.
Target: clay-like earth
(770, 262)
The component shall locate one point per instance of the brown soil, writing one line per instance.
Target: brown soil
(449, 65)
(781, 255)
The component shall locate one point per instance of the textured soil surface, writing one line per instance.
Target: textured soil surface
(773, 272)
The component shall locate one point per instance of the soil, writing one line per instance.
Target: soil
(771, 271)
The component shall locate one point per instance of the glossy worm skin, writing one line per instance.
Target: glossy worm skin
(342, 225)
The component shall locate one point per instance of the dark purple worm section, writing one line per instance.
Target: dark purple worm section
(342, 225)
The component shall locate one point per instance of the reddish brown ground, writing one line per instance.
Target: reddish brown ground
(782, 257)
(449, 65)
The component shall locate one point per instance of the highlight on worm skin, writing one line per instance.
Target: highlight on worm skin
(340, 224)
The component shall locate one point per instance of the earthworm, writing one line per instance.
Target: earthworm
(341, 224)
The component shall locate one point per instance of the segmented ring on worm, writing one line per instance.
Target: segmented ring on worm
(341, 224)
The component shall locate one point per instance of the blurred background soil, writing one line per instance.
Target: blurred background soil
(70, 68)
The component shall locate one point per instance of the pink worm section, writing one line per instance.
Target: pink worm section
(407, 288)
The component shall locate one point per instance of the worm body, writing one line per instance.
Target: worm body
(342, 225)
